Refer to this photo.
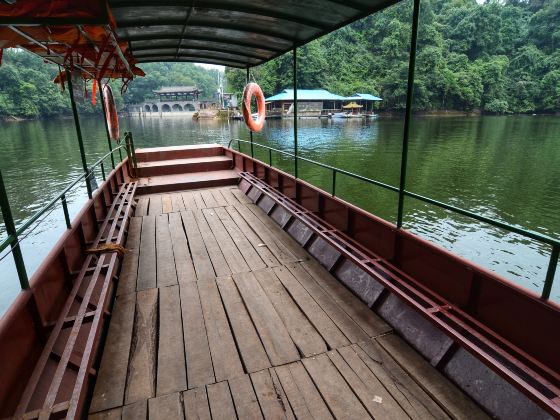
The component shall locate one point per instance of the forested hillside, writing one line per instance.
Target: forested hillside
(499, 56)
(27, 90)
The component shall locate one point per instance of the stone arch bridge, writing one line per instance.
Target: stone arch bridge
(157, 107)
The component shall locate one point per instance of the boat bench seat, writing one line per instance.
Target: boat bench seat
(440, 329)
(58, 384)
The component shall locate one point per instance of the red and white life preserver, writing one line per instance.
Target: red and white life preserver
(250, 90)
(111, 111)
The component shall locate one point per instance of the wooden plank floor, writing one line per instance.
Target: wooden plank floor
(220, 314)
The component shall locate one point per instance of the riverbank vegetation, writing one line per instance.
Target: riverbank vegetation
(497, 57)
(27, 89)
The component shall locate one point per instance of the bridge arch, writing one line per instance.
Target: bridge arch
(189, 107)
(177, 108)
(165, 108)
(155, 108)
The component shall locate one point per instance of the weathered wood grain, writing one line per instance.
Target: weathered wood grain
(197, 350)
(147, 259)
(111, 380)
(141, 381)
(171, 371)
(166, 273)
(276, 339)
(250, 347)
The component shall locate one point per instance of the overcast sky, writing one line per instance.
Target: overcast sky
(211, 66)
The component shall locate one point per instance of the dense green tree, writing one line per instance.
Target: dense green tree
(498, 56)
(27, 89)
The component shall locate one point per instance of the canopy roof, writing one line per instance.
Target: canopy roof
(235, 33)
(306, 95)
(176, 89)
(352, 105)
(363, 97)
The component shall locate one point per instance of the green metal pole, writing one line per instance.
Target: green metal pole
(78, 130)
(250, 132)
(294, 57)
(66, 214)
(408, 113)
(106, 123)
(11, 231)
(550, 272)
(129, 155)
(134, 161)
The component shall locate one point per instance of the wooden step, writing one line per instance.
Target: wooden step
(189, 181)
(178, 152)
(183, 166)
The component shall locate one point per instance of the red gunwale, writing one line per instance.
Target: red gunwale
(496, 307)
(23, 326)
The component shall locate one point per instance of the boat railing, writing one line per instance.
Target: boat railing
(544, 239)
(14, 237)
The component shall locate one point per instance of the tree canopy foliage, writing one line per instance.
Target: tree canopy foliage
(27, 89)
(497, 56)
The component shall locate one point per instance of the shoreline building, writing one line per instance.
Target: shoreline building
(173, 99)
(366, 100)
(311, 103)
(315, 103)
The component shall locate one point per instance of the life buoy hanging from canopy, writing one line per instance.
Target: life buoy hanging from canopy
(111, 113)
(250, 90)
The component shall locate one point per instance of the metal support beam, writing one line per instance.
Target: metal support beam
(100, 86)
(294, 63)
(408, 113)
(78, 130)
(11, 231)
(250, 132)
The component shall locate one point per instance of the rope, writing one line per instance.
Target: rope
(108, 249)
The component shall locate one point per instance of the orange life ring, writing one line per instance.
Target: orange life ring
(111, 111)
(250, 90)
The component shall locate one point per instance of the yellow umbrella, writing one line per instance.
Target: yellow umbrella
(352, 105)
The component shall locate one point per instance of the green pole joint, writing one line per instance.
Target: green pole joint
(11, 231)
(78, 131)
(408, 113)
(294, 59)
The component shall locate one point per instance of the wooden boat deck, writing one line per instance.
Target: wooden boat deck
(220, 314)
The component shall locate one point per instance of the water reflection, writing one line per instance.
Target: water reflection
(503, 167)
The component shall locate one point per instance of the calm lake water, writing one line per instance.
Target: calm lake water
(506, 168)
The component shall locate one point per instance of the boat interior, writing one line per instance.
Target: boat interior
(201, 282)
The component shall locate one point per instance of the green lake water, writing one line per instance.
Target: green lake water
(507, 168)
